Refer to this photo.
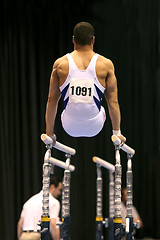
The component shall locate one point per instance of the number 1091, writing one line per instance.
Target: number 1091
(81, 91)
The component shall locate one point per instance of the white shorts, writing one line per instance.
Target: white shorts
(83, 128)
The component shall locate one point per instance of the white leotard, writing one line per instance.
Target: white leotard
(82, 94)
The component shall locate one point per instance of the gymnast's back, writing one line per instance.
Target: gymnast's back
(82, 60)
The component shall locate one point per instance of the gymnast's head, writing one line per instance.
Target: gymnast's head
(83, 34)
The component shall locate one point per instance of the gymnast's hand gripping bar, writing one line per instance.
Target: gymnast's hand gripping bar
(47, 140)
(124, 147)
(104, 164)
(61, 164)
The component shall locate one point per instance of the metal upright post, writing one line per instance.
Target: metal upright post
(117, 217)
(45, 218)
(129, 218)
(65, 226)
(111, 206)
(99, 217)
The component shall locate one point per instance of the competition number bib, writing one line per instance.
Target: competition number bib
(81, 90)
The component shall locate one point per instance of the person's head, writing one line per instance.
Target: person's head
(124, 195)
(55, 186)
(83, 34)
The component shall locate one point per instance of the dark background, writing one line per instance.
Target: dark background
(33, 34)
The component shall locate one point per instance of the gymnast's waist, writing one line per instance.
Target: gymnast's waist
(78, 117)
(81, 112)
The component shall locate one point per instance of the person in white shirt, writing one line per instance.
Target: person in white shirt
(32, 210)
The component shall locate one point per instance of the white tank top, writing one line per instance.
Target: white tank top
(82, 92)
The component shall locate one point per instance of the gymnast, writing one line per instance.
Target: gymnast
(82, 77)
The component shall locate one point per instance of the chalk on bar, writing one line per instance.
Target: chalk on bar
(46, 139)
(61, 164)
(124, 147)
(104, 163)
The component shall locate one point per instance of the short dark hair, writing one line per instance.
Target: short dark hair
(54, 180)
(83, 33)
(122, 191)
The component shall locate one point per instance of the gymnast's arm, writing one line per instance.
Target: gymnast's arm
(111, 96)
(53, 99)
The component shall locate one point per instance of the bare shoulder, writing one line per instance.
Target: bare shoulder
(62, 61)
(61, 66)
(104, 67)
(105, 62)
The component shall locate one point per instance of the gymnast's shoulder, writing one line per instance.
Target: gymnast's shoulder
(61, 63)
(60, 60)
(104, 63)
